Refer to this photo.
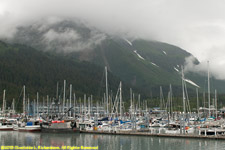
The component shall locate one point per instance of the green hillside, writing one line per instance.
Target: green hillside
(87, 44)
(156, 69)
(22, 65)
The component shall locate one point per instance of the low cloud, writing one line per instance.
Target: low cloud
(202, 68)
(69, 40)
(192, 66)
(54, 34)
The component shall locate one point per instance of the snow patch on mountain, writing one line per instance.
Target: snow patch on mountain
(154, 64)
(176, 69)
(129, 42)
(135, 51)
(191, 82)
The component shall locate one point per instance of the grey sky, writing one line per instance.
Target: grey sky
(197, 26)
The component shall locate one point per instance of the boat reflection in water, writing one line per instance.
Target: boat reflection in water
(112, 142)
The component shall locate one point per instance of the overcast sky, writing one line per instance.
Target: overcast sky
(197, 26)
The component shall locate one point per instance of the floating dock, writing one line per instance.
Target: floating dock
(135, 133)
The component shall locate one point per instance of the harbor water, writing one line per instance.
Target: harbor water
(106, 142)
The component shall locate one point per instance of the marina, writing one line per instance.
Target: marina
(112, 75)
(67, 115)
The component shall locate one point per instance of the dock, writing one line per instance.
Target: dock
(135, 133)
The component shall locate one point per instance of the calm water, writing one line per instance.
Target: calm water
(107, 142)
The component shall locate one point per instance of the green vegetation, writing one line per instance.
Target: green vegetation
(22, 65)
(40, 71)
(141, 74)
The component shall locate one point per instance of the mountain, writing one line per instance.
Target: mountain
(141, 64)
(40, 71)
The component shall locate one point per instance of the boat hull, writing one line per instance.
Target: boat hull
(6, 128)
(59, 130)
(29, 129)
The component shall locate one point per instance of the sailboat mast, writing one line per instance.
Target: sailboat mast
(34, 105)
(91, 104)
(64, 96)
(184, 109)
(171, 100)
(131, 107)
(216, 102)
(47, 106)
(133, 101)
(13, 106)
(70, 98)
(4, 103)
(37, 105)
(24, 109)
(84, 108)
(121, 113)
(160, 97)
(106, 86)
(197, 102)
(89, 107)
(139, 99)
(28, 105)
(208, 89)
(57, 90)
(74, 102)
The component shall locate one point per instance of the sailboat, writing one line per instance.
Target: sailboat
(27, 124)
(7, 124)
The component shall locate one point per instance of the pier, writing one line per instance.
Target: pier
(134, 133)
